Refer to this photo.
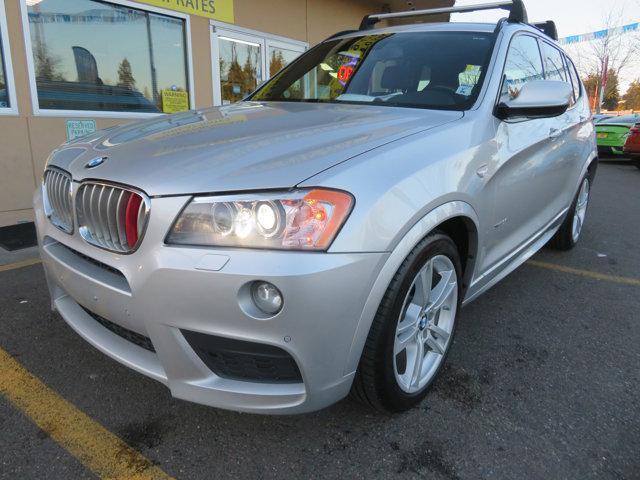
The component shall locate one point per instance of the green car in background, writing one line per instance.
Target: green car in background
(613, 132)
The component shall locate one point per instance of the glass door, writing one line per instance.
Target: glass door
(240, 65)
(243, 60)
(280, 54)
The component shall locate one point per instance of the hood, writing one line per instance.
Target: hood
(246, 146)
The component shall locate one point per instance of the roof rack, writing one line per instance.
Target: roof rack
(549, 28)
(516, 8)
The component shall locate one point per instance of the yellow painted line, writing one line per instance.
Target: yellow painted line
(586, 273)
(22, 264)
(94, 446)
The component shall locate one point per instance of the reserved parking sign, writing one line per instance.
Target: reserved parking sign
(79, 128)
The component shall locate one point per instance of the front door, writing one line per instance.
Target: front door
(528, 176)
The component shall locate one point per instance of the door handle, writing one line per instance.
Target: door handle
(554, 133)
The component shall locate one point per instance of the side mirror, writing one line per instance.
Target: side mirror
(537, 99)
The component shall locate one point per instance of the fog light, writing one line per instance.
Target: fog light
(267, 297)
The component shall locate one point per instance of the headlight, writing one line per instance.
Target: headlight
(296, 220)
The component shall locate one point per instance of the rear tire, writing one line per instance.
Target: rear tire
(569, 232)
(412, 330)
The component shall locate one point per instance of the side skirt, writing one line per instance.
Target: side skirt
(516, 258)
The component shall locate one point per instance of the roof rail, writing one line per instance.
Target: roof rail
(516, 8)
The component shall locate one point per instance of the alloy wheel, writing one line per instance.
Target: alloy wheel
(581, 210)
(425, 325)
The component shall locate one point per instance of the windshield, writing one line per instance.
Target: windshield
(439, 70)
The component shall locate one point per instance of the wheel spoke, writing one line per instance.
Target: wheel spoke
(423, 284)
(402, 343)
(578, 227)
(442, 291)
(441, 333)
(435, 346)
(417, 366)
(410, 320)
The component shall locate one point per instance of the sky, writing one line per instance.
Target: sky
(572, 17)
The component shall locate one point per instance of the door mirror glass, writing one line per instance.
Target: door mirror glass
(537, 99)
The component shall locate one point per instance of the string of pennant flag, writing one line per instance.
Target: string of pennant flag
(600, 34)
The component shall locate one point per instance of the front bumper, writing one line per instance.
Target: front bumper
(160, 290)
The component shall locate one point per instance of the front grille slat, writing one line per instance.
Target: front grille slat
(121, 208)
(101, 210)
(58, 189)
(112, 222)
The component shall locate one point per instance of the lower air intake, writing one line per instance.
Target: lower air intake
(245, 361)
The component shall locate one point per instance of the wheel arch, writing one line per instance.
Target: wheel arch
(456, 219)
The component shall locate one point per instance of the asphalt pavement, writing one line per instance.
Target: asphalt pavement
(542, 382)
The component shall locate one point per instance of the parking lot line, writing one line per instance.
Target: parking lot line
(586, 273)
(94, 446)
(22, 264)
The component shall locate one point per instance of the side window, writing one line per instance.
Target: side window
(553, 65)
(575, 80)
(523, 65)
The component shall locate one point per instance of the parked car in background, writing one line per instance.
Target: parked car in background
(632, 145)
(598, 117)
(320, 236)
(612, 133)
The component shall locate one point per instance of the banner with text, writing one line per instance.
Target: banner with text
(217, 9)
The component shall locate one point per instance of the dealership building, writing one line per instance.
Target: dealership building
(68, 67)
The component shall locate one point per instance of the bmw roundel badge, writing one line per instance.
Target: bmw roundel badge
(95, 162)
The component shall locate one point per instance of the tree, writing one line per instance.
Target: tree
(125, 75)
(611, 93)
(47, 65)
(632, 97)
(619, 49)
(276, 63)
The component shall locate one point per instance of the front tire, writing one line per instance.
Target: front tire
(569, 232)
(413, 328)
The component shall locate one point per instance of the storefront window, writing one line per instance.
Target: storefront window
(97, 56)
(240, 68)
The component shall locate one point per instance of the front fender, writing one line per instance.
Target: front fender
(402, 249)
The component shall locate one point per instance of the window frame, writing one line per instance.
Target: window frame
(44, 112)
(12, 109)
(265, 40)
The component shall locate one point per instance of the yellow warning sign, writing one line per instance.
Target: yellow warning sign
(174, 101)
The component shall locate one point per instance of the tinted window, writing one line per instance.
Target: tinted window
(91, 55)
(4, 95)
(554, 68)
(523, 65)
(441, 70)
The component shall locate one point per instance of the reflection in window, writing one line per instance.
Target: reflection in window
(553, 64)
(523, 65)
(4, 94)
(280, 58)
(240, 68)
(441, 70)
(90, 55)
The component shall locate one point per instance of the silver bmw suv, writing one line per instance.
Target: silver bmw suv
(320, 237)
